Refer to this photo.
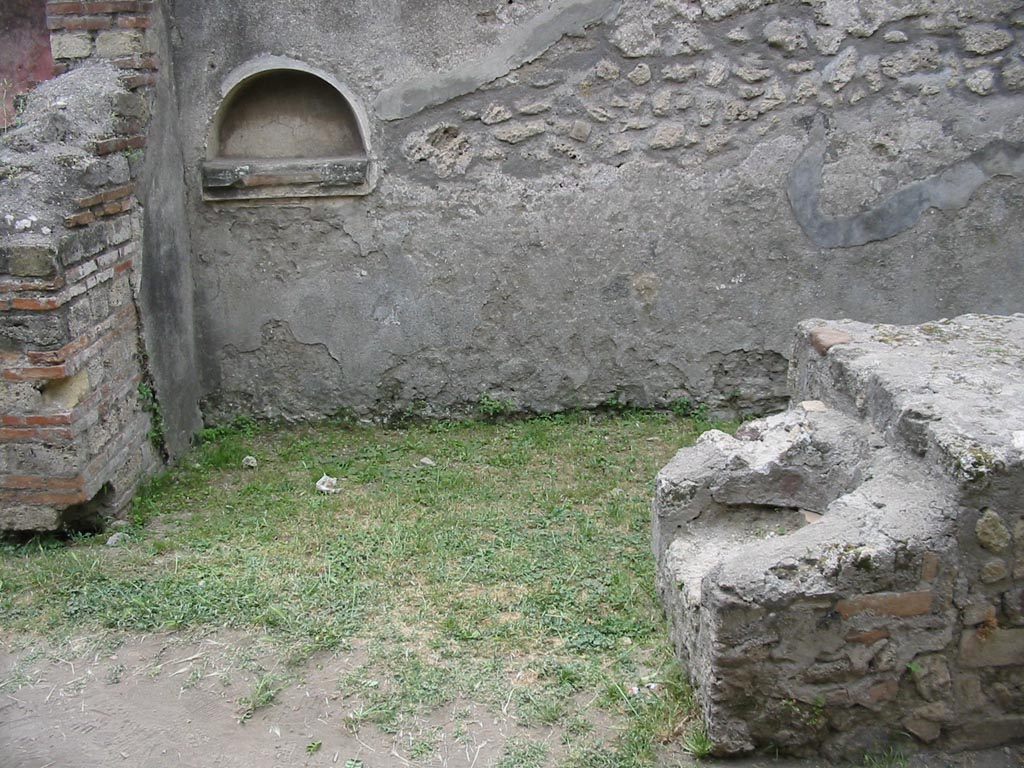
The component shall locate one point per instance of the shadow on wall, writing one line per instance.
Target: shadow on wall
(284, 130)
(25, 58)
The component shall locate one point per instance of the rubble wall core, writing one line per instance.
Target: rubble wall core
(852, 569)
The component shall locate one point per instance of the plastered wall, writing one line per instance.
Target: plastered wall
(586, 199)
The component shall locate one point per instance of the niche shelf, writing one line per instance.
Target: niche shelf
(284, 131)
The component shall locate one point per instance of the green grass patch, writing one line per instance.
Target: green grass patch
(505, 564)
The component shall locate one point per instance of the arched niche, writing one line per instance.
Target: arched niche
(285, 130)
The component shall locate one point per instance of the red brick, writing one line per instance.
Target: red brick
(868, 637)
(9, 420)
(112, 6)
(35, 305)
(90, 201)
(30, 374)
(50, 420)
(34, 482)
(823, 339)
(117, 193)
(81, 218)
(48, 498)
(137, 62)
(139, 81)
(901, 604)
(63, 7)
(134, 22)
(52, 436)
(17, 286)
(79, 23)
(929, 566)
(110, 146)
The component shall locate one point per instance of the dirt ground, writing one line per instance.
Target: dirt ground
(165, 701)
(169, 701)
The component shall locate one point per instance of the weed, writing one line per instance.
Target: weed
(150, 404)
(263, 693)
(684, 408)
(893, 757)
(492, 407)
(521, 753)
(313, 747)
(115, 673)
(696, 742)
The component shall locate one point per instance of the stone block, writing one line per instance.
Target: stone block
(71, 45)
(28, 260)
(983, 39)
(992, 647)
(115, 43)
(991, 532)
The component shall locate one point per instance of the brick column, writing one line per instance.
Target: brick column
(75, 434)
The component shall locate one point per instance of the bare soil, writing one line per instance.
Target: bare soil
(168, 700)
(163, 700)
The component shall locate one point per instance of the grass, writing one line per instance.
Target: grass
(511, 571)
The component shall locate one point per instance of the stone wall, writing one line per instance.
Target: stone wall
(587, 199)
(81, 422)
(850, 571)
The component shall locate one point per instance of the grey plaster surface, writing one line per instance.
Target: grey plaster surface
(166, 295)
(948, 190)
(564, 17)
(609, 220)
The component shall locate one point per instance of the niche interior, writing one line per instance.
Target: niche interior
(284, 133)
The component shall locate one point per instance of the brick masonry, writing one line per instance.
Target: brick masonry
(75, 434)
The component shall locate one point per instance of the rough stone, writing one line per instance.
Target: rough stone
(1018, 548)
(1013, 76)
(992, 648)
(991, 532)
(607, 70)
(580, 131)
(671, 136)
(71, 46)
(717, 73)
(495, 113)
(993, 571)
(635, 38)
(788, 34)
(519, 132)
(640, 75)
(721, 9)
(981, 82)
(984, 39)
(841, 70)
(920, 57)
(931, 677)
(115, 43)
(680, 73)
